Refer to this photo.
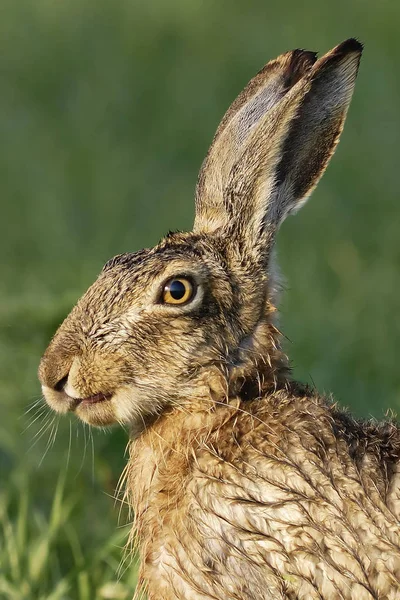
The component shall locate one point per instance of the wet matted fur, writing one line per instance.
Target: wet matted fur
(244, 484)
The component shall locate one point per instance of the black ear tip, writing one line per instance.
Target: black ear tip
(348, 53)
(349, 46)
(307, 55)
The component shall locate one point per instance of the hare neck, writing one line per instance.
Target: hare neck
(160, 457)
(161, 461)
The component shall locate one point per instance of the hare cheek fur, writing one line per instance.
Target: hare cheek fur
(244, 484)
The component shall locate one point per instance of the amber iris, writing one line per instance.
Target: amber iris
(177, 291)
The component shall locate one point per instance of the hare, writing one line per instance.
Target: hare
(244, 483)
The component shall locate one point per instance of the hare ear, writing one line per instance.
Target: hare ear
(275, 142)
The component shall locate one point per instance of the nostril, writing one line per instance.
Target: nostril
(60, 385)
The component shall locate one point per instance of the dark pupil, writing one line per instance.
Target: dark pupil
(177, 289)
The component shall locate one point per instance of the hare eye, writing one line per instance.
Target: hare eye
(177, 291)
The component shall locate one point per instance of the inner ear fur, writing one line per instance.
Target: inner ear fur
(275, 141)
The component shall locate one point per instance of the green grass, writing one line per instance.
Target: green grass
(44, 557)
(106, 111)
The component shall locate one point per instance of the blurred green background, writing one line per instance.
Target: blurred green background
(106, 112)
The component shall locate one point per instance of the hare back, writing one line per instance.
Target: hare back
(283, 497)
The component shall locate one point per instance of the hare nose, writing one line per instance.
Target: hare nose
(60, 385)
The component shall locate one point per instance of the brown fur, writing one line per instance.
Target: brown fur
(244, 484)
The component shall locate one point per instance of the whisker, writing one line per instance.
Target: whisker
(40, 412)
(85, 442)
(45, 427)
(51, 439)
(55, 432)
(69, 443)
(34, 404)
(91, 438)
(49, 418)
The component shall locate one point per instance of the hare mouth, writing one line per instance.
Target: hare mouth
(95, 410)
(95, 399)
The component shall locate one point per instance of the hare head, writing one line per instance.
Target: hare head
(193, 318)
